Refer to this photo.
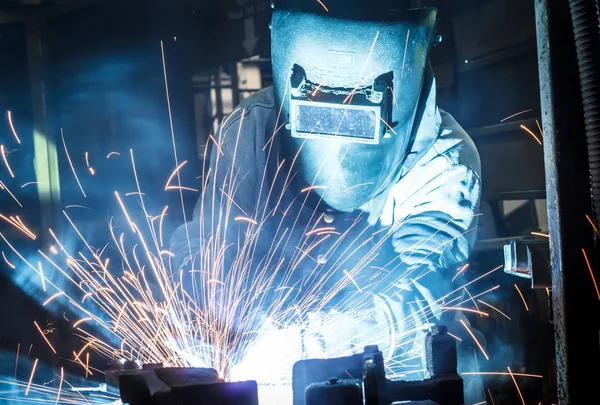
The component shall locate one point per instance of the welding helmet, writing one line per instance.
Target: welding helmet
(349, 80)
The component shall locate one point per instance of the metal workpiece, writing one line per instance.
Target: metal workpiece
(568, 197)
(361, 379)
(529, 259)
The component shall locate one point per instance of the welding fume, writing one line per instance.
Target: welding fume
(349, 189)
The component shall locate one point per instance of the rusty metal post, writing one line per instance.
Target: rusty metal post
(575, 303)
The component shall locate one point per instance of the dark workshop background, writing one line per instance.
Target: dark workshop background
(90, 72)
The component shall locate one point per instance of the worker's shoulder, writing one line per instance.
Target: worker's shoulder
(455, 144)
(256, 107)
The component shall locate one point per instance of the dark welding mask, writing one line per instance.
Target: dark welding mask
(350, 81)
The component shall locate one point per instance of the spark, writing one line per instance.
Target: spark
(502, 373)
(78, 360)
(323, 229)
(480, 403)
(44, 336)
(460, 270)
(593, 226)
(79, 322)
(3, 187)
(591, 273)
(92, 171)
(531, 133)
(12, 127)
(87, 160)
(29, 183)
(547, 291)
(17, 223)
(388, 125)
(131, 224)
(42, 276)
(175, 172)
(17, 359)
(304, 190)
(362, 72)
(540, 128)
(59, 385)
(323, 5)
(466, 310)
(358, 185)
(491, 397)
(164, 66)
(352, 280)
(71, 163)
(53, 250)
(495, 309)
(516, 114)
(113, 153)
(405, 51)
(246, 219)
(31, 377)
(522, 298)
(545, 235)
(475, 340)
(58, 294)
(516, 385)
(12, 266)
(87, 363)
(454, 336)
(314, 93)
(6, 161)
(360, 82)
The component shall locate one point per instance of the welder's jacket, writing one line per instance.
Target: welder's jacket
(421, 228)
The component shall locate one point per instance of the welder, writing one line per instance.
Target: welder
(347, 164)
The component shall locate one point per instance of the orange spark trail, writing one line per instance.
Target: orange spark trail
(491, 397)
(42, 276)
(12, 127)
(164, 66)
(475, 340)
(495, 309)
(17, 360)
(59, 385)
(514, 115)
(545, 235)
(475, 311)
(388, 125)
(591, 273)
(12, 266)
(455, 337)
(460, 270)
(405, 49)
(323, 5)
(246, 219)
(531, 133)
(593, 226)
(31, 377)
(87, 363)
(3, 187)
(29, 183)
(113, 153)
(523, 298)
(6, 161)
(71, 163)
(58, 294)
(540, 128)
(79, 322)
(516, 385)
(502, 373)
(44, 336)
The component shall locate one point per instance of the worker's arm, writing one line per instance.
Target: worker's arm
(227, 192)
